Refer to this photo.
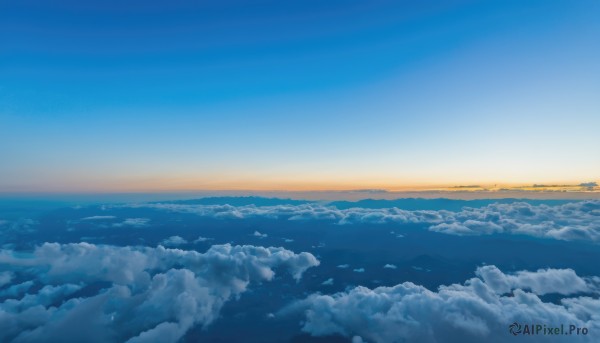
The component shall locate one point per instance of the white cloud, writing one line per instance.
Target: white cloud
(259, 235)
(359, 270)
(390, 266)
(201, 239)
(343, 266)
(328, 282)
(479, 310)
(154, 294)
(543, 281)
(173, 241)
(571, 221)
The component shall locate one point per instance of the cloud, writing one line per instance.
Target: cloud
(16, 290)
(359, 270)
(479, 310)
(328, 282)
(543, 281)
(99, 218)
(6, 278)
(343, 266)
(149, 294)
(173, 241)
(390, 266)
(259, 235)
(133, 222)
(201, 239)
(18, 226)
(570, 221)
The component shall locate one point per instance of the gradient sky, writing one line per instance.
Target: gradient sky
(172, 95)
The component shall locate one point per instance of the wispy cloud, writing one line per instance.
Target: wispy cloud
(133, 222)
(99, 218)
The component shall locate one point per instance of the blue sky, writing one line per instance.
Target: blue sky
(102, 95)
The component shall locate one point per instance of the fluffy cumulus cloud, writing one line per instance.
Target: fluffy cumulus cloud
(541, 282)
(93, 293)
(480, 310)
(571, 221)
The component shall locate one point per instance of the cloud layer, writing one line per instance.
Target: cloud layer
(92, 293)
(571, 221)
(480, 310)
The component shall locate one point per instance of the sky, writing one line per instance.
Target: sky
(108, 96)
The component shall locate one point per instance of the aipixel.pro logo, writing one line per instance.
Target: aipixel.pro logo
(516, 329)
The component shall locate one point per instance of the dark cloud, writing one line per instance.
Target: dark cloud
(6, 278)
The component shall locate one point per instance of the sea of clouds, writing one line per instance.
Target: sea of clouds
(571, 221)
(82, 292)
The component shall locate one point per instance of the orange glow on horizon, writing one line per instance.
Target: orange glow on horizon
(181, 184)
